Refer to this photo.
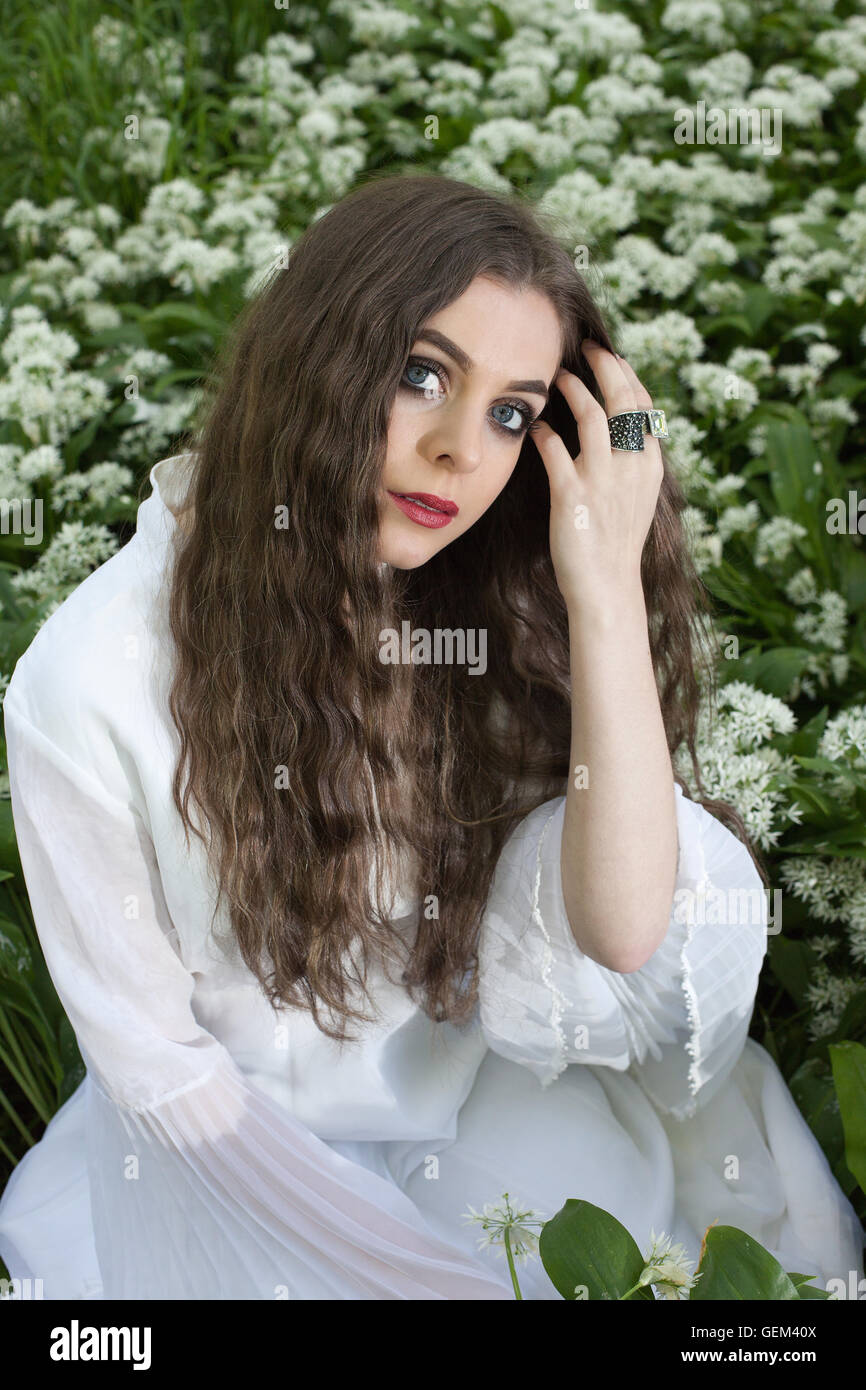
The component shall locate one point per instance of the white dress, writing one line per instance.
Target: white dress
(219, 1149)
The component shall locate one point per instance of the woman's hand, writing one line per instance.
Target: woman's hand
(603, 501)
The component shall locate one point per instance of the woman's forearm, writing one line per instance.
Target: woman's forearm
(619, 840)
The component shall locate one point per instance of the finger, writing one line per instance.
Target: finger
(644, 402)
(592, 427)
(606, 367)
(642, 397)
(591, 417)
(558, 463)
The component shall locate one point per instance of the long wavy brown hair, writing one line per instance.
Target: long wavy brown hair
(294, 734)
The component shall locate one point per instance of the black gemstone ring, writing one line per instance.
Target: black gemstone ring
(628, 428)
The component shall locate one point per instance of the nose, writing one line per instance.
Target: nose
(456, 438)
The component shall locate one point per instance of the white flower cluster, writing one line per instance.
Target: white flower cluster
(738, 763)
(40, 391)
(834, 891)
(844, 738)
(775, 540)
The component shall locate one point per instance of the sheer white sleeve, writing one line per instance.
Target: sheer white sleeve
(678, 1024)
(202, 1186)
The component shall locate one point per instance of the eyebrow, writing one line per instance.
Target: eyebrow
(465, 363)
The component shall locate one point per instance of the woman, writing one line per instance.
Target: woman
(419, 883)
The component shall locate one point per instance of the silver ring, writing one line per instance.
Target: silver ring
(627, 429)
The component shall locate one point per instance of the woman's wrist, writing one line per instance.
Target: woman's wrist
(607, 608)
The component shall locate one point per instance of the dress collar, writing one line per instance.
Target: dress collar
(155, 519)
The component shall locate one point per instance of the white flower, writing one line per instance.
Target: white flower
(98, 316)
(720, 296)
(588, 33)
(753, 716)
(375, 24)
(827, 994)
(586, 208)
(832, 410)
(775, 539)
(27, 219)
(844, 738)
(705, 545)
(722, 80)
(499, 138)
(717, 390)
(801, 588)
(498, 1218)
(73, 553)
(102, 482)
(736, 763)
(191, 264)
(44, 462)
(663, 341)
(642, 265)
(736, 520)
(751, 362)
(829, 626)
(667, 1268)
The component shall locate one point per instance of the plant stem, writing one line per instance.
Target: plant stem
(512, 1271)
(629, 1292)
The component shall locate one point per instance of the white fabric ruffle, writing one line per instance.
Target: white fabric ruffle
(678, 1024)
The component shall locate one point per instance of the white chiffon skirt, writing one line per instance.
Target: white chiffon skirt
(746, 1159)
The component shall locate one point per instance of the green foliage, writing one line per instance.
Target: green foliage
(589, 1255)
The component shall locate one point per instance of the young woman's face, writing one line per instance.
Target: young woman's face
(461, 414)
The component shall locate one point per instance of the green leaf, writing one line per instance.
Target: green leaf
(759, 303)
(583, 1245)
(9, 596)
(16, 996)
(851, 565)
(804, 1288)
(77, 443)
(848, 1060)
(797, 488)
(735, 1266)
(171, 378)
(791, 962)
(8, 844)
(809, 1291)
(805, 740)
(832, 769)
(178, 314)
(713, 324)
(124, 336)
(775, 670)
(501, 22)
(812, 1087)
(844, 841)
(16, 959)
(852, 1020)
(818, 800)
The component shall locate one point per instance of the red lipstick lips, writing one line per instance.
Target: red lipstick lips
(425, 508)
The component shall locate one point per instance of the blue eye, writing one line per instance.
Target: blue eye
(426, 367)
(523, 418)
